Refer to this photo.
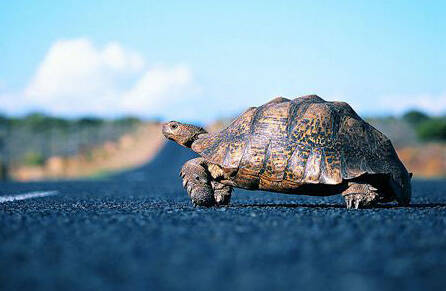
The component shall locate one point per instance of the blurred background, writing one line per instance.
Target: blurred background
(84, 86)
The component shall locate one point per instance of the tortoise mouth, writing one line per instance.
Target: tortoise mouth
(179, 141)
(188, 143)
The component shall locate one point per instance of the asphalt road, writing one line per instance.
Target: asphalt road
(138, 230)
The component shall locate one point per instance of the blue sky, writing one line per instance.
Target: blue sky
(196, 60)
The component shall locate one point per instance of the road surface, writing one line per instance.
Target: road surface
(139, 231)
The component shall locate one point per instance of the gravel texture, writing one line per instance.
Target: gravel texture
(139, 231)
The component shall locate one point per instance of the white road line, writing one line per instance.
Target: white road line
(30, 195)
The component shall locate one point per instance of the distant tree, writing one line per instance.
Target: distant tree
(4, 120)
(34, 116)
(415, 117)
(36, 121)
(90, 121)
(127, 121)
(14, 121)
(60, 123)
(39, 121)
(432, 129)
(33, 159)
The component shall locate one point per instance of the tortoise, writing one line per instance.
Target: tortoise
(305, 146)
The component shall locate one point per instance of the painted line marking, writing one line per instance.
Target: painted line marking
(25, 196)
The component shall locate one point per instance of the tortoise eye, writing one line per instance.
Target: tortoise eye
(173, 126)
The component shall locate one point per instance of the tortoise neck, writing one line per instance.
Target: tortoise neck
(197, 133)
(198, 142)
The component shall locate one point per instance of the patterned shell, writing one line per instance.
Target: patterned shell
(302, 141)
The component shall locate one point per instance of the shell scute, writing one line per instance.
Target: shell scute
(295, 169)
(226, 147)
(276, 160)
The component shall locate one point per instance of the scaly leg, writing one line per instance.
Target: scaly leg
(222, 193)
(360, 195)
(197, 182)
(201, 186)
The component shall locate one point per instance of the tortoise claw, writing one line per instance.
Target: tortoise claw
(349, 202)
(359, 200)
(222, 193)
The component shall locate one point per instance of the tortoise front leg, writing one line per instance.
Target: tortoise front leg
(197, 182)
(202, 188)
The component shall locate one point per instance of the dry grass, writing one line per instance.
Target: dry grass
(427, 160)
(129, 151)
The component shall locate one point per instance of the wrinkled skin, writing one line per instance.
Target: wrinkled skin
(197, 179)
(183, 134)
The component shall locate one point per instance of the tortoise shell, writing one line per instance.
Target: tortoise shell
(285, 144)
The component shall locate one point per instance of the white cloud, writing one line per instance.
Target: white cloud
(149, 93)
(434, 104)
(76, 78)
(75, 68)
(115, 57)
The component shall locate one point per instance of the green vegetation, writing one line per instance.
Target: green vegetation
(414, 117)
(426, 127)
(127, 120)
(90, 121)
(432, 129)
(40, 121)
(33, 159)
(31, 139)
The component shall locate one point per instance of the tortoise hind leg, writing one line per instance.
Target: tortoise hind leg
(222, 193)
(202, 188)
(361, 195)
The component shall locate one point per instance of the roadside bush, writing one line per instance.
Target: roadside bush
(33, 159)
(127, 121)
(432, 129)
(90, 122)
(415, 117)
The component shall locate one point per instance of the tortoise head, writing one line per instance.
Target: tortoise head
(182, 133)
